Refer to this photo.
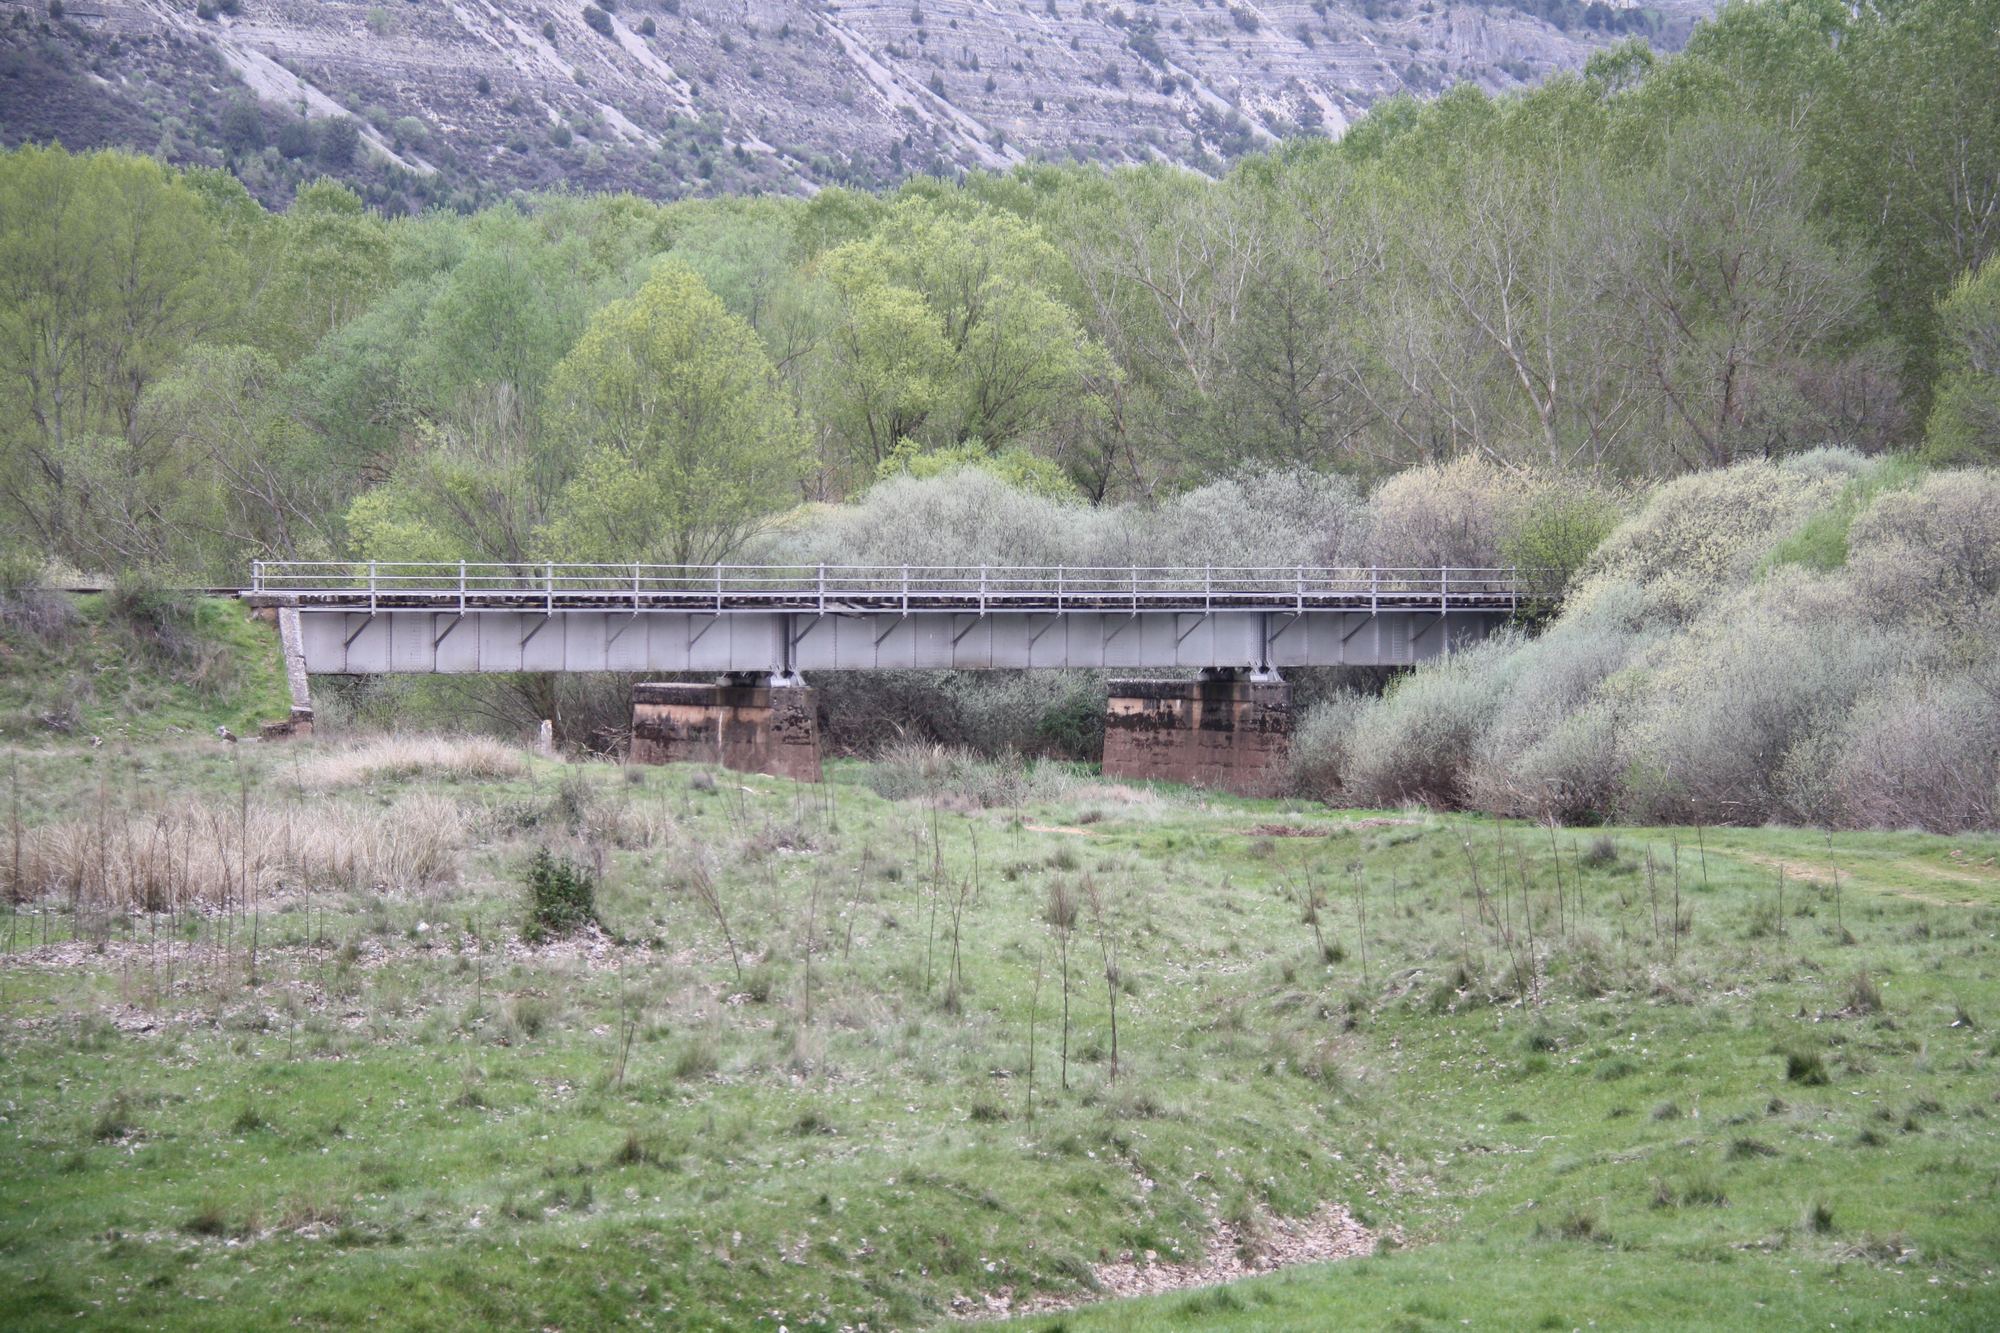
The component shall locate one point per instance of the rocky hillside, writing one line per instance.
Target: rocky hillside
(447, 101)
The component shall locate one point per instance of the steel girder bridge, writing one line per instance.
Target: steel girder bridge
(775, 621)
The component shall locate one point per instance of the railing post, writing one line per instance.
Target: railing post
(1135, 588)
(1059, 588)
(635, 587)
(549, 587)
(1302, 589)
(906, 590)
(1444, 589)
(982, 590)
(1207, 588)
(822, 588)
(371, 587)
(256, 576)
(461, 587)
(1374, 589)
(718, 588)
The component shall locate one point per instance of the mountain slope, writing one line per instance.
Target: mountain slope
(456, 99)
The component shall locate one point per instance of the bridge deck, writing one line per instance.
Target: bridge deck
(363, 619)
(874, 590)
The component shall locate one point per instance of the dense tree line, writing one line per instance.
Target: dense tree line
(1771, 242)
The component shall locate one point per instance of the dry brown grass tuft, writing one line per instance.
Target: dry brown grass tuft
(397, 758)
(213, 854)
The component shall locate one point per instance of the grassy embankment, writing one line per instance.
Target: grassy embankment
(135, 669)
(326, 1080)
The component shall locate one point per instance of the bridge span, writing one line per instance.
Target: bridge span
(777, 621)
(754, 629)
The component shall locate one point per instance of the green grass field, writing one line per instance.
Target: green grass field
(1559, 1089)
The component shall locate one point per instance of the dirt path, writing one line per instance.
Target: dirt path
(1329, 1234)
(1819, 872)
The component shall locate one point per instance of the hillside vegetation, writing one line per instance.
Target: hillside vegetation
(456, 105)
(1769, 243)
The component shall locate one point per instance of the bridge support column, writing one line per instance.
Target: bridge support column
(1226, 731)
(751, 724)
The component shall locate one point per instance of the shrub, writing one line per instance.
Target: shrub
(1420, 740)
(597, 19)
(1864, 996)
(1459, 514)
(908, 770)
(1739, 710)
(647, 27)
(1698, 534)
(562, 896)
(338, 140)
(160, 617)
(1930, 554)
(1318, 758)
(1558, 527)
(27, 607)
(1923, 751)
(1272, 517)
(295, 139)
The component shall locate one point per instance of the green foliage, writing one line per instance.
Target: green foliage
(684, 439)
(1499, 312)
(1017, 467)
(1965, 420)
(1558, 529)
(562, 897)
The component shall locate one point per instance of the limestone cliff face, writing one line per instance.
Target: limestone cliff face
(463, 98)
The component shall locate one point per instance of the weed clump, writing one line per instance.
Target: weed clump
(1806, 1068)
(1578, 1224)
(562, 897)
(114, 1120)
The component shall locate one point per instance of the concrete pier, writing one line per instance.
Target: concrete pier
(750, 728)
(1226, 733)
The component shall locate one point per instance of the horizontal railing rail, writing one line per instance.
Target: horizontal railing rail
(464, 585)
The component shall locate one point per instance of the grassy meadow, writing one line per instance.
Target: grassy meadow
(282, 1045)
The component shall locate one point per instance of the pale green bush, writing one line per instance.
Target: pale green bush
(1696, 678)
(1770, 670)
(1419, 742)
(1557, 679)
(1930, 554)
(1923, 752)
(1321, 741)
(1260, 518)
(1460, 513)
(1700, 534)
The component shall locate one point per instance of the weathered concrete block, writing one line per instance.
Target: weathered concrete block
(750, 728)
(1230, 735)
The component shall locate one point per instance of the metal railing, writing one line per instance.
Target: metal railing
(832, 589)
